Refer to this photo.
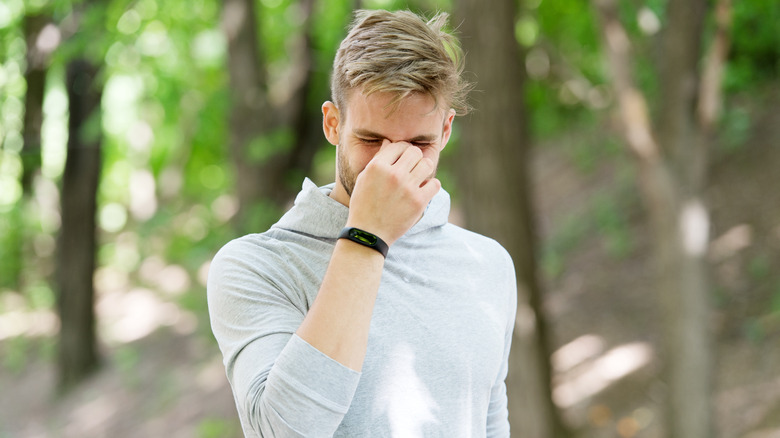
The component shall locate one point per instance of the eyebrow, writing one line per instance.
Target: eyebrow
(369, 134)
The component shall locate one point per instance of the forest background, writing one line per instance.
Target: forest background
(140, 136)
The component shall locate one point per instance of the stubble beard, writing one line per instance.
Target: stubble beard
(345, 174)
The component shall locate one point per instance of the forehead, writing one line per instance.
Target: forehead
(415, 114)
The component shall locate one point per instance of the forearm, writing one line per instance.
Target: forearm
(306, 393)
(339, 320)
(389, 196)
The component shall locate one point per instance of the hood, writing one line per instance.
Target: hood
(317, 214)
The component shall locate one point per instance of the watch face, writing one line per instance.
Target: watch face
(368, 238)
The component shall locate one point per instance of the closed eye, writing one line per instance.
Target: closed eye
(371, 141)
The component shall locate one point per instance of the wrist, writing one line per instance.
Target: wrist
(365, 238)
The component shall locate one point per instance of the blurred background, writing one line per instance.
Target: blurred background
(626, 153)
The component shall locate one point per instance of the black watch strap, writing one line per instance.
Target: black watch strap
(364, 238)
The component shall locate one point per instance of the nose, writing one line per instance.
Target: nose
(400, 145)
(387, 141)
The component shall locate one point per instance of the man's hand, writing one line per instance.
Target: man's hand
(391, 193)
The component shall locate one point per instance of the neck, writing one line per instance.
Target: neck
(339, 193)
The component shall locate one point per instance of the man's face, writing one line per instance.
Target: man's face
(370, 123)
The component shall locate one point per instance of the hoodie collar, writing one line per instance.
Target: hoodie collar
(317, 214)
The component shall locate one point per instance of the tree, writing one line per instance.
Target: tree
(495, 190)
(77, 241)
(671, 154)
(268, 141)
(39, 46)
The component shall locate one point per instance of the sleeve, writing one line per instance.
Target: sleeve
(498, 412)
(283, 386)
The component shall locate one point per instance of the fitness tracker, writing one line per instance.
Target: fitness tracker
(364, 238)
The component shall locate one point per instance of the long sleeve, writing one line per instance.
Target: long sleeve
(438, 345)
(283, 386)
(498, 412)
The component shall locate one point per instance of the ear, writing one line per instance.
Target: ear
(330, 122)
(447, 128)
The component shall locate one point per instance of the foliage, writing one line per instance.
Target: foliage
(167, 183)
(606, 219)
(755, 53)
(167, 186)
(563, 63)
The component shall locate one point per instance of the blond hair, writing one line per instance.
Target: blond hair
(400, 53)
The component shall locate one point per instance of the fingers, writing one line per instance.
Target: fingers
(402, 155)
(409, 159)
(412, 162)
(430, 188)
(423, 169)
(405, 161)
(389, 153)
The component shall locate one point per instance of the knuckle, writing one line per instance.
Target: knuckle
(370, 168)
(395, 177)
(377, 166)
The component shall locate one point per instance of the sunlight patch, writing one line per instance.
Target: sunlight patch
(648, 21)
(48, 39)
(174, 280)
(134, 315)
(695, 228)
(143, 199)
(604, 371)
(403, 397)
(577, 352)
(112, 217)
(731, 242)
(36, 323)
(224, 208)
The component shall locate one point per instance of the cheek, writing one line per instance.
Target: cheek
(361, 157)
(432, 154)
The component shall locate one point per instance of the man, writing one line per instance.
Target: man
(327, 332)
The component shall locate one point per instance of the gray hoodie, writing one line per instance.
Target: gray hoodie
(438, 343)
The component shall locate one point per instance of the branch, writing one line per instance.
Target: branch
(632, 103)
(710, 87)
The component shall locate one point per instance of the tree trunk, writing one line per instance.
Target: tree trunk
(263, 156)
(679, 79)
(306, 116)
(672, 160)
(37, 58)
(495, 189)
(77, 241)
(250, 115)
(686, 294)
(35, 78)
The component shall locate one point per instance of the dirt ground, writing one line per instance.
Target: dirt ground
(167, 380)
